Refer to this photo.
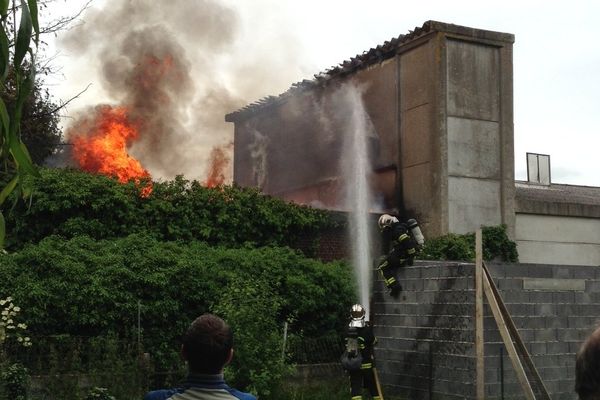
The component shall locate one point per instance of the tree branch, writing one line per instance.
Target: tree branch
(62, 104)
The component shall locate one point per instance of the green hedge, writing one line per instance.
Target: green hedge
(71, 203)
(82, 286)
(495, 246)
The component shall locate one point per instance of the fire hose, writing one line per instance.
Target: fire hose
(379, 392)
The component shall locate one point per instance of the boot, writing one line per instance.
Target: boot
(395, 290)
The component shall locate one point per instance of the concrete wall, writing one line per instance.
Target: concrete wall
(426, 339)
(457, 130)
(477, 164)
(473, 135)
(558, 239)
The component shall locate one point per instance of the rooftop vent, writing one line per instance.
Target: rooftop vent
(538, 168)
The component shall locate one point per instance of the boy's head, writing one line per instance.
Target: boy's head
(208, 345)
(587, 368)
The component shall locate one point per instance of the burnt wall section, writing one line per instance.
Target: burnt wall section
(289, 149)
(295, 150)
(420, 138)
(426, 339)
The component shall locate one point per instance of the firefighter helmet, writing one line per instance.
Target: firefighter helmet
(358, 316)
(386, 220)
(358, 312)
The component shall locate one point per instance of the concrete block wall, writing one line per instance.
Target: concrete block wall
(426, 338)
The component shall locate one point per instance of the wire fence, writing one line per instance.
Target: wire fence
(307, 350)
(68, 367)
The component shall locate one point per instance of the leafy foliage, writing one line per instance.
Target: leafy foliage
(99, 393)
(71, 203)
(86, 287)
(496, 245)
(39, 129)
(14, 156)
(15, 380)
(257, 329)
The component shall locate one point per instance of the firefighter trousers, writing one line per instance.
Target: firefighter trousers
(363, 378)
(388, 268)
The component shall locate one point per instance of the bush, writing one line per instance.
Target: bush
(15, 380)
(253, 314)
(99, 393)
(86, 287)
(70, 203)
(496, 246)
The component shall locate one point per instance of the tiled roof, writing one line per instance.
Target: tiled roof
(372, 56)
(558, 193)
(557, 199)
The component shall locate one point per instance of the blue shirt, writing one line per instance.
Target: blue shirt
(200, 387)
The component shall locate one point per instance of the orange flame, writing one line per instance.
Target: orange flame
(100, 146)
(218, 163)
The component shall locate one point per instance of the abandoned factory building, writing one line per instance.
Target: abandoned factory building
(438, 107)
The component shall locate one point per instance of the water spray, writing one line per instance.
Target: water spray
(358, 193)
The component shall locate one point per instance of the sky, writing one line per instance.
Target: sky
(269, 44)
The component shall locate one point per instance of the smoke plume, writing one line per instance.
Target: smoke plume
(177, 68)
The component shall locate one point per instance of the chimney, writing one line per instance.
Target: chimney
(538, 168)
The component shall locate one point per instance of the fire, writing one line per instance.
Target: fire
(218, 163)
(154, 87)
(100, 146)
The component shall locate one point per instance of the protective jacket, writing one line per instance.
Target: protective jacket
(399, 248)
(200, 387)
(398, 238)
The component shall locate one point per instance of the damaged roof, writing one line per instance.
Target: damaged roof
(372, 56)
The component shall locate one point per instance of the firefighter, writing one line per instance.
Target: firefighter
(400, 242)
(357, 359)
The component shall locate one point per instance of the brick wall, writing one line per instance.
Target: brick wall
(330, 245)
(426, 338)
(334, 243)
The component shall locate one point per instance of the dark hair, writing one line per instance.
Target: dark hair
(587, 368)
(207, 344)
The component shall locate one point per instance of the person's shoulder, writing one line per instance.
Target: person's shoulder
(162, 394)
(240, 395)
